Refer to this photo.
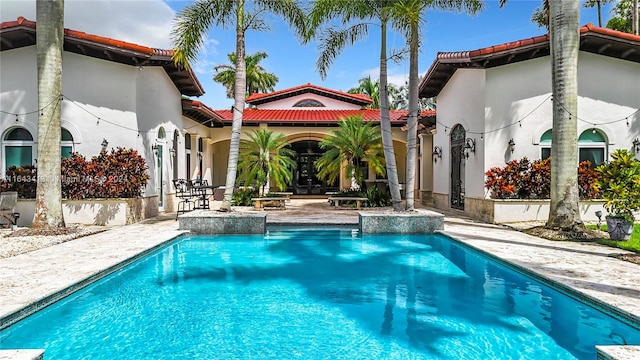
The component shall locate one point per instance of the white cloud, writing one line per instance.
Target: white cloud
(142, 22)
(394, 76)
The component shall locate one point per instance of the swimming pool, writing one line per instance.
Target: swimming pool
(327, 294)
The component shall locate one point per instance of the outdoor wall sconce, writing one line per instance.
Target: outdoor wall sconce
(173, 152)
(512, 145)
(154, 148)
(469, 146)
(636, 145)
(437, 153)
(199, 155)
(104, 143)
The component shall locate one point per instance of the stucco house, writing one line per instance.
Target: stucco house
(119, 94)
(494, 105)
(115, 94)
(306, 114)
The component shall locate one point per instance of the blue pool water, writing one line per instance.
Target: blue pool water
(322, 294)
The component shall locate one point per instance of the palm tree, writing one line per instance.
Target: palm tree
(408, 17)
(358, 144)
(358, 14)
(564, 42)
(258, 80)
(49, 42)
(194, 21)
(371, 88)
(598, 4)
(265, 159)
(624, 18)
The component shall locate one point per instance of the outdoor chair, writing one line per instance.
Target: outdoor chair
(185, 196)
(8, 202)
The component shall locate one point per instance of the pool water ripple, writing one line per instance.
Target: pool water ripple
(317, 295)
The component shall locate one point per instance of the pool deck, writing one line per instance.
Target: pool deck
(32, 280)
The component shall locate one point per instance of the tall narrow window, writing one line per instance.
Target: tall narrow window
(17, 147)
(187, 151)
(545, 144)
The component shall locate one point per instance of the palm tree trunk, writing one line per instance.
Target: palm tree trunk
(634, 17)
(238, 109)
(49, 42)
(564, 39)
(385, 126)
(412, 119)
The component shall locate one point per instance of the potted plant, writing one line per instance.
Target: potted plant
(619, 186)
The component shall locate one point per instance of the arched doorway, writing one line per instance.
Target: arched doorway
(305, 179)
(458, 135)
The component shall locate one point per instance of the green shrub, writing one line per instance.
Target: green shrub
(619, 184)
(242, 196)
(378, 198)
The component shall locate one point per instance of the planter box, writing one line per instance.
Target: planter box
(108, 212)
(497, 211)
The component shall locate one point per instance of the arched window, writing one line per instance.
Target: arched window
(161, 133)
(592, 146)
(308, 103)
(17, 148)
(545, 144)
(67, 143)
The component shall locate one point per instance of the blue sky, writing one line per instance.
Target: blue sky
(148, 22)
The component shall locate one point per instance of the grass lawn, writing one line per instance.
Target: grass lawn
(632, 245)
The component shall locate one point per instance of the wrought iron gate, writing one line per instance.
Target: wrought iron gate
(458, 135)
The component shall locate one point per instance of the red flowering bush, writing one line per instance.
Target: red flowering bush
(122, 173)
(21, 179)
(522, 179)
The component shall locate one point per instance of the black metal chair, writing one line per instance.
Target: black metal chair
(199, 189)
(185, 195)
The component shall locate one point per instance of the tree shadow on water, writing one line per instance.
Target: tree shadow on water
(402, 288)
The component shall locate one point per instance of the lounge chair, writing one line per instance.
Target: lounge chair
(8, 200)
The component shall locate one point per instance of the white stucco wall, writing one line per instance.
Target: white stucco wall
(514, 102)
(125, 105)
(522, 109)
(460, 102)
(328, 103)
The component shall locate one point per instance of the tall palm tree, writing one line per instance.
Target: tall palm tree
(194, 21)
(408, 17)
(49, 42)
(564, 42)
(357, 143)
(626, 17)
(356, 16)
(371, 88)
(258, 80)
(598, 4)
(265, 159)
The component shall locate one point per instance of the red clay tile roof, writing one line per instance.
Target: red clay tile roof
(201, 113)
(21, 33)
(258, 98)
(314, 117)
(600, 40)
